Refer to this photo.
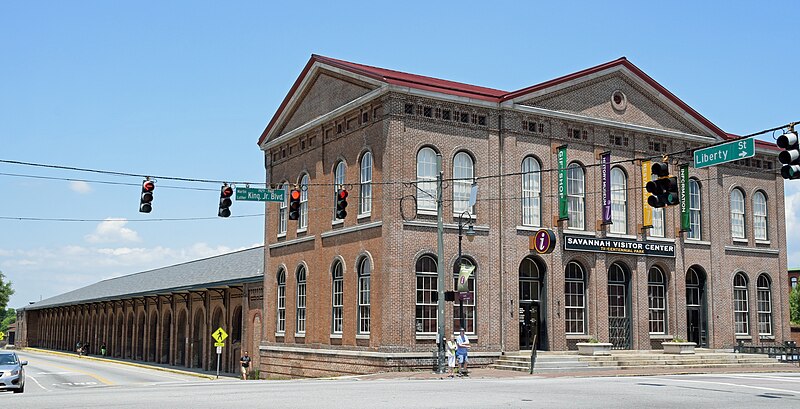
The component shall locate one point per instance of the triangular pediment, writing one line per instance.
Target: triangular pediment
(323, 93)
(598, 96)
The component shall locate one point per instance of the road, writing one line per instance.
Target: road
(66, 382)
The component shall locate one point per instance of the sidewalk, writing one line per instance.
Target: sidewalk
(491, 373)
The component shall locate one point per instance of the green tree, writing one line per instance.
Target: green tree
(794, 305)
(5, 294)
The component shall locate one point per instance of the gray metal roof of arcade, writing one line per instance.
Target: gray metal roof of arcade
(226, 269)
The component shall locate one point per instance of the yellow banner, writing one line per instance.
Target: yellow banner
(647, 211)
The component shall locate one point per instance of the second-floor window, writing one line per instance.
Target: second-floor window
(694, 211)
(426, 179)
(365, 193)
(338, 181)
(619, 201)
(531, 192)
(760, 216)
(576, 188)
(282, 210)
(302, 222)
(463, 173)
(737, 214)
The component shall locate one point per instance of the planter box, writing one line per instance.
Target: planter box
(679, 348)
(598, 348)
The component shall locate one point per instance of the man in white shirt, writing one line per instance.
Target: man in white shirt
(462, 343)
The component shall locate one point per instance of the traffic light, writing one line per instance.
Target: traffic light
(294, 204)
(664, 190)
(790, 157)
(225, 201)
(341, 204)
(146, 198)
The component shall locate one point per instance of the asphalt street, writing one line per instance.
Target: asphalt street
(68, 382)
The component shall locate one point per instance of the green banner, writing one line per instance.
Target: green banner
(563, 214)
(463, 277)
(683, 187)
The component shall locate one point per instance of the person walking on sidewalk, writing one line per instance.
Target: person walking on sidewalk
(103, 349)
(245, 361)
(79, 349)
(462, 343)
(451, 356)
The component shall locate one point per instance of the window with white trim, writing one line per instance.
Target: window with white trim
(576, 188)
(763, 292)
(427, 285)
(337, 297)
(463, 172)
(338, 183)
(301, 300)
(657, 300)
(426, 179)
(365, 195)
(364, 273)
(658, 219)
(619, 201)
(737, 214)
(282, 209)
(302, 222)
(574, 299)
(741, 310)
(468, 303)
(531, 192)
(695, 226)
(760, 216)
(281, 299)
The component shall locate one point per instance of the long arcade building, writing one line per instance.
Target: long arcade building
(166, 315)
(358, 294)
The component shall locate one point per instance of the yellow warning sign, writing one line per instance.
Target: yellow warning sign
(219, 334)
(2, 335)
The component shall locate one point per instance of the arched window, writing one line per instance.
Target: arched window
(281, 298)
(576, 188)
(282, 213)
(529, 279)
(737, 214)
(760, 216)
(338, 182)
(302, 222)
(463, 172)
(619, 201)
(764, 305)
(365, 196)
(364, 272)
(426, 179)
(531, 192)
(575, 299)
(337, 297)
(468, 303)
(658, 219)
(694, 211)
(657, 300)
(425, 315)
(301, 300)
(741, 311)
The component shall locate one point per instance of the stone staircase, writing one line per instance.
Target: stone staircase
(557, 362)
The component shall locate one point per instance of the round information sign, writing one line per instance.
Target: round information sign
(544, 241)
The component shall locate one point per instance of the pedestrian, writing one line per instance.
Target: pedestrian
(79, 349)
(245, 360)
(86, 348)
(103, 348)
(462, 346)
(451, 356)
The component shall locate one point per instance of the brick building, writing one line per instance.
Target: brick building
(356, 295)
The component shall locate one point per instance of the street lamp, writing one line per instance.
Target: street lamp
(470, 236)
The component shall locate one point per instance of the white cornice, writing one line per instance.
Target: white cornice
(290, 242)
(442, 96)
(351, 229)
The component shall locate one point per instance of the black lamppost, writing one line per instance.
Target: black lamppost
(470, 236)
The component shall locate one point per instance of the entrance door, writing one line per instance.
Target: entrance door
(619, 323)
(531, 314)
(696, 321)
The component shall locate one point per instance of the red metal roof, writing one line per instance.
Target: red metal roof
(486, 94)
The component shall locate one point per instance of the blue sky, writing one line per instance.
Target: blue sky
(184, 89)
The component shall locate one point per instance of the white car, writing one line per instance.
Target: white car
(12, 372)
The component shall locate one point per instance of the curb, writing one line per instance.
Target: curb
(135, 364)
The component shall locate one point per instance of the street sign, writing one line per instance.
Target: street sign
(260, 194)
(219, 344)
(726, 152)
(220, 334)
(2, 335)
(219, 351)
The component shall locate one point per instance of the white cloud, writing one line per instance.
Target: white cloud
(112, 230)
(80, 187)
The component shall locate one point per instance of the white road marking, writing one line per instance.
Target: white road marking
(731, 384)
(54, 373)
(37, 382)
(794, 379)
